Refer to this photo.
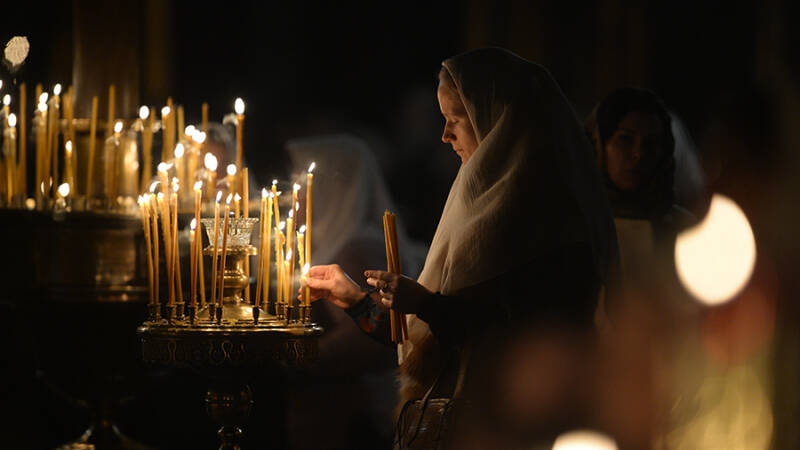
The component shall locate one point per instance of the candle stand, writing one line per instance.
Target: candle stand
(224, 343)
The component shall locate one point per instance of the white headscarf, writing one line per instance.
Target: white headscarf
(532, 184)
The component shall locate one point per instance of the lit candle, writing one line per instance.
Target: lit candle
(110, 159)
(238, 106)
(205, 117)
(41, 138)
(154, 228)
(236, 199)
(216, 247)
(279, 240)
(193, 261)
(268, 230)
(306, 291)
(170, 124)
(92, 143)
(231, 169)
(194, 253)
(224, 249)
(55, 115)
(210, 161)
(245, 193)
(176, 255)
(289, 285)
(309, 184)
(181, 135)
(69, 165)
(301, 258)
(6, 104)
(22, 171)
(146, 226)
(179, 163)
(165, 144)
(275, 195)
(111, 102)
(290, 231)
(11, 155)
(162, 175)
(147, 143)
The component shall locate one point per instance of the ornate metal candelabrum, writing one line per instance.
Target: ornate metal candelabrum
(224, 342)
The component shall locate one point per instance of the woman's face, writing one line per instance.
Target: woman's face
(634, 149)
(457, 128)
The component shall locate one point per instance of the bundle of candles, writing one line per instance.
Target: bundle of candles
(292, 248)
(399, 327)
(108, 179)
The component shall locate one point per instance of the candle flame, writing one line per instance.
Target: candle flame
(57, 89)
(144, 112)
(237, 197)
(238, 106)
(289, 255)
(162, 167)
(6, 100)
(154, 186)
(210, 162)
(231, 169)
(291, 213)
(193, 224)
(175, 185)
(12, 120)
(305, 269)
(179, 150)
(165, 111)
(282, 225)
(118, 127)
(296, 187)
(43, 97)
(30, 203)
(297, 206)
(311, 167)
(264, 192)
(140, 200)
(68, 146)
(302, 229)
(160, 196)
(584, 439)
(42, 107)
(228, 200)
(199, 137)
(189, 130)
(1, 84)
(63, 190)
(198, 185)
(42, 187)
(219, 196)
(274, 182)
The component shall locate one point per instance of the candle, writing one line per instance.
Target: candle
(147, 143)
(92, 139)
(154, 228)
(146, 227)
(193, 261)
(309, 184)
(279, 239)
(236, 199)
(167, 230)
(289, 285)
(181, 135)
(295, 205)
(261, 235)
(110, 151)
(11, 155)
(301, 258)
(215, 245)
(170, 124)
(231, 169)
(55, 113)
(194, 253)
(205, 117)
(290, 231)
(41, 138)
(69, 165)
(306, 291)
(210, 161)
(246, 213)
(238, 106)
(180, 150)
(275, 195)
(22, 167)
(176, 255)
(69, 115)
(265, 263)
(165, 146)
(111, 102)
(224, 248)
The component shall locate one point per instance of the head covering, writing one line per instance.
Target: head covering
(531, 185)
(655, 196)
(350, 197)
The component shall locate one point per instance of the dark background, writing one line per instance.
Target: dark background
(730, 70)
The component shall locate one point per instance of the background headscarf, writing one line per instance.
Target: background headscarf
(532, 184)
(655, 196)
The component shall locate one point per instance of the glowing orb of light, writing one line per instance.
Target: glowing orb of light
(584, 440)
(715, 259)
(17, 50)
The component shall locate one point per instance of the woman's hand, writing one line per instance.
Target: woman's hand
(332, 283)
(397, 291)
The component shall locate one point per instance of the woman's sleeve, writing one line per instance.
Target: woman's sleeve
(372, 320)
(559, 286)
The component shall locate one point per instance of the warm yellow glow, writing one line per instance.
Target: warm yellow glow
(179, 150)
(57, 89)
(43, 97)
(12, 120)
(165, 111)
(231, 169)
(154, 186)
(176, 185)
(6, 100)
(43, 107)
(282, 225)
(68, 146)
(219, 196)
(144, 112)
(30, 203)
(264, 192)
(238, 106)
(198, 185)
(193, 224)
(274, 182)
(296, 187)
(1, 84)
(210, 162)
(162, 167)
(160, 196)
(302, 229)
(189, 130)
(228, 200)
(291, 213)
(289, 255)
(63, 190)
(584, 440)
(305, 269)
(199, 136)
(118, 126)
(237, 197)
(715, 259)
(311, 167)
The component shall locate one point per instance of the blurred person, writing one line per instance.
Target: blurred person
(524, 241)
(350, 394)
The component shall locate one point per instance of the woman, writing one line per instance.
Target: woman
(631, 130)
(525, 236)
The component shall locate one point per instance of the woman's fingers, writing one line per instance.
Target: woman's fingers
(319, 283)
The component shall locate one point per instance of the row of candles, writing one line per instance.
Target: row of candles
(123, 174)
(291, 249)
